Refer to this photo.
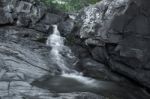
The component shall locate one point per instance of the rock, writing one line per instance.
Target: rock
(137, 51)
(133, 59)
(19, 67)
(41, 27)
(24, 57)
(29, 92)
(21, 90)
(96, 20)
(91, 41)
(135, 27)
(66, 27)
(5, 17)
(50, 19)
(97, 70)
(19, 32)
(24, 7)
(82, 95)
(37, 12)
(80, 51)
(120, 28)
(23, 21)
(21, 61)
(100, 54)
(89, 96)
(28, 13)
(140, 76)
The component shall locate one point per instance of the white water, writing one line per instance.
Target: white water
(79, 77)
(58, 47)
(57, 44)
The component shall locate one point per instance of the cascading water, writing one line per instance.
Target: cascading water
(58, 48)
(72, 81)
(62, 57)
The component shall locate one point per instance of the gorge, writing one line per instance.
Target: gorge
(99, 52)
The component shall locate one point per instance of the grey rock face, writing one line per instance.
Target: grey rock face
(96, 19)
(97, 70)
(6, 17)
(99, 54)
(18, 68)
(24, 57)
(51, 19)
(121, 27)
(66, 27)
(19, 59)
(20, 65)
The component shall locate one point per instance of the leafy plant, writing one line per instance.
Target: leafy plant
(69, 5)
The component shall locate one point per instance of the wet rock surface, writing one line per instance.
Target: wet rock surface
(117, 34)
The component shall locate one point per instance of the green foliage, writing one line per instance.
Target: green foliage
(69, 5)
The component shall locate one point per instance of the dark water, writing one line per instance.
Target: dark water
(112, 90)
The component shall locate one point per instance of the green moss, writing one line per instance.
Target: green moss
(70, 5)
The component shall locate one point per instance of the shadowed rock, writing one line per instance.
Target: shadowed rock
(121, 27)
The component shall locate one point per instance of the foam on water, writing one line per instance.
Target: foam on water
(80, 78)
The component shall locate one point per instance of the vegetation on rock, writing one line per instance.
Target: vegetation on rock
(69, 5)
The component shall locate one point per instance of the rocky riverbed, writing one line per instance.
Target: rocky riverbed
(109, 41)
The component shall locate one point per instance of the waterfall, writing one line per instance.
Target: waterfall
(62, 57)
(59, 51)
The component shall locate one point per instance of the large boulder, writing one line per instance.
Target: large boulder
(28, 13)
(96, 20)
(120, 31)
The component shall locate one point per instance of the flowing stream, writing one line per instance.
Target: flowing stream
(72, 81)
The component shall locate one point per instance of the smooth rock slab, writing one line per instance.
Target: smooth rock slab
(21, 61)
